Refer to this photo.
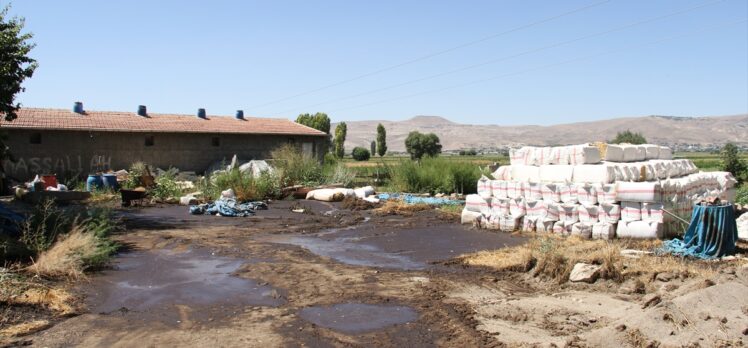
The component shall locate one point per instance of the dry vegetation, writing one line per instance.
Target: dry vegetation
(66, 257)
(396, 207)
(553, 258)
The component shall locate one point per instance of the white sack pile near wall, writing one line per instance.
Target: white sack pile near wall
(569, 190)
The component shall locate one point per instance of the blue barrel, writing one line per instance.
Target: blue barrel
(94, 182)
(110, 182)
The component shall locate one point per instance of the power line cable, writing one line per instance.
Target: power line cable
(496, 60)
(434, 54)
(536, 68)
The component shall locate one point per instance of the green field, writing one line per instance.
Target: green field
(378, 171)
(706, 161)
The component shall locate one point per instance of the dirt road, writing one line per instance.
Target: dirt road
(331, 277)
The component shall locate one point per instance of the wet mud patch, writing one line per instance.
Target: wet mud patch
(356, 318)
(397, 248)
(166, 282)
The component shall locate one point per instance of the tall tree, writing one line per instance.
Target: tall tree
(373, 147)
(629, 137)
(381, 141)
(418, 145)
(339, 142)
(319, 121)
(15, 67)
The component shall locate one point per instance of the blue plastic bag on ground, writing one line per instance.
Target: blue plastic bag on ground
(228, 207)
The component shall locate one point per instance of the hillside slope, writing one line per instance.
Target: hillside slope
(664, 130)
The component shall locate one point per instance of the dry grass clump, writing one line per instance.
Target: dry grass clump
(396, 207)
(24, 329)
(553, 257)
(66, 257)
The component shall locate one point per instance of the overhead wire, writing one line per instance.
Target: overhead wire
(434, 54)
(543, 67)
(505, 58)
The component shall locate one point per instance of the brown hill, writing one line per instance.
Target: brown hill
(664, 130)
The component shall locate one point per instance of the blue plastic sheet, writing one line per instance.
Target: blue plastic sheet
(410, 199)
(228, 207)
(711, 233)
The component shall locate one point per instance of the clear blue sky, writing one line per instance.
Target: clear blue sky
(177, 56)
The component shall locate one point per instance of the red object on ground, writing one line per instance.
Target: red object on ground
(49, 180)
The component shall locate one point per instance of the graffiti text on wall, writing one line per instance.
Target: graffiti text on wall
(24, 167)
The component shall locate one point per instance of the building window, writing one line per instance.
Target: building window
(215, 141)
(35, 138)
(149, 140)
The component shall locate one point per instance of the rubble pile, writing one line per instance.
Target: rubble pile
(600, 191)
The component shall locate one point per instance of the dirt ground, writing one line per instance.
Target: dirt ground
(332, 277)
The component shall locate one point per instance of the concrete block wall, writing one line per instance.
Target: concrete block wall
(79, 153)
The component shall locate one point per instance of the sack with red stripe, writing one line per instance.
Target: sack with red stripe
(498, 188)
(552, 211)
(503, 173)
(606, 193)
(484, 187)
(582, 230)
(517, 207)
(638, 191)
(587, 193)
(536, 208)
(604, 231)
(499, 206)
(568, 213)
(588, 213)
(568, 193)
(631, 211)
(515, 189)
(477, 204)
(551, 192)
(652, 212)
(609, 212)
(533, 191)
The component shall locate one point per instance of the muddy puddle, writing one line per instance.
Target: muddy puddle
(153, 280)
(406, 249)
(355, 318)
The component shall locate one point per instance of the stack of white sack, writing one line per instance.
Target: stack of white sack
(638, 191)
(557, 155)
(633, 153)
(602, 173)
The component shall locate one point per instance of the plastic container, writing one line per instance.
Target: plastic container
(110, 182)
(94, 182)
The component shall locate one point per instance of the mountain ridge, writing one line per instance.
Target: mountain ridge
(658, 129)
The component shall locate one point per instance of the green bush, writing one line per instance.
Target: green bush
(742, 194)
(101, 223)
(435, 175)
(246, 187)
(294, 168)
(166, 186)
(360, 154)
(43, 225)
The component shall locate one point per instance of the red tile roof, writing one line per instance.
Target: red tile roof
(114, 121)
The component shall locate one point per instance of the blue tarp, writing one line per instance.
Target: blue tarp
(228, 207)
(711, 233)
(410, 199)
